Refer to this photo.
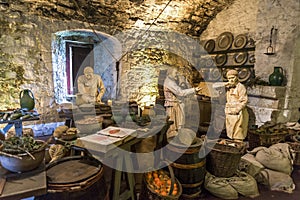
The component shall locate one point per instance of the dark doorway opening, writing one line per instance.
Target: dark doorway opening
(78, 56)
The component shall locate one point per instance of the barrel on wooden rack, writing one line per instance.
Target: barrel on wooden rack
(76, 178)
(188, 168)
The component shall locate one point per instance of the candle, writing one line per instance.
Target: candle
(109, 102)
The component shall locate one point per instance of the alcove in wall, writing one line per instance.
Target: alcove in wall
(72, 50)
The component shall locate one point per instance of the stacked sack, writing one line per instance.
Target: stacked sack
(223, 179)
(241, 183)
(270, 166)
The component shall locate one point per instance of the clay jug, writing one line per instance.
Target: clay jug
(27, 99)
(276, 78)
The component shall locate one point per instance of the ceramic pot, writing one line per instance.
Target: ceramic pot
(276, 78)
(27, 99)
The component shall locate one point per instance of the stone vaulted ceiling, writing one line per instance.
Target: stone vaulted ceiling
(190, 17)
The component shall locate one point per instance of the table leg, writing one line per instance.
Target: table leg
(6, 128)
(18, 128)
(116, 180)
(130, 176)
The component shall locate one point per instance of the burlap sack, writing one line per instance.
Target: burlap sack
(230, 188)
(277, 181)
(219, 187)
(275, 159)
(250, 165)
(244, 184)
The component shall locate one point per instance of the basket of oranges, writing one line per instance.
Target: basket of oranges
(161, 184)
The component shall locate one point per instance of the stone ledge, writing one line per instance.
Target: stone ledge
(258, 101)
(275, 92)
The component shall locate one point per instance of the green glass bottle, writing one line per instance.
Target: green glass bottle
(27, 99)
(276, 78)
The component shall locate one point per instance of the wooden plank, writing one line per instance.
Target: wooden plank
(2, 184)
(23, 185)
(71, 172)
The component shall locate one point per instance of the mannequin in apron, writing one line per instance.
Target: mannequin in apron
(173, 101)
(235, 109)
(90, 87)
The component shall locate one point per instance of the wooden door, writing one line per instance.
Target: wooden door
(78, 57)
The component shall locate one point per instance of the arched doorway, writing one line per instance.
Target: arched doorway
(72, 50)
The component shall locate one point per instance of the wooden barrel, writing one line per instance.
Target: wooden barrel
(76, 178)
(188, 168)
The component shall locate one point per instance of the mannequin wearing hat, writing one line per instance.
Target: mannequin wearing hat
(235, 109)
(90, 87)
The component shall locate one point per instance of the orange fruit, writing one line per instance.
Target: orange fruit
(164, 193)
(169, 181)
(156, 179)
(174, 192)
(149, 175)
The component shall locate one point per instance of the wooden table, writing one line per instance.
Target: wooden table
(17, 123)
(22, 185)
(69, 116)
(123, 159)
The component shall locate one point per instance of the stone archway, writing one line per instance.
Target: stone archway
(106, 52)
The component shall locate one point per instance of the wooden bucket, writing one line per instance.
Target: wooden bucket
(189, 169)
(76, 178)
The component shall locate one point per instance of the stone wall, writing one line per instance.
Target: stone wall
(238, 18)
(256, 18)
(26, 46)
(28, 27)
(283, 15)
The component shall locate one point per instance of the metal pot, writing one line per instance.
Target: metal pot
(25, 162)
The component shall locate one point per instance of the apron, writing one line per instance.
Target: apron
(237, 125)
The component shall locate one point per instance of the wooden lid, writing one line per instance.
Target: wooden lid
(71, 171)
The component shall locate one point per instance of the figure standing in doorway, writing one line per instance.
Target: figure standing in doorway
(90, 87)
(235, 109)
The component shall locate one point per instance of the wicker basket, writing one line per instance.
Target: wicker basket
(223, 160)
(69, 136)
(91, 128)
(296, 147)
(148, 193)
(264, 139)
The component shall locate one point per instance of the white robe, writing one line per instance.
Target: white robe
(236, 112)
(174, 104)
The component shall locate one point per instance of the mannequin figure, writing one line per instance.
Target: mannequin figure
(173, 101)
(90, 87)
(235, 109)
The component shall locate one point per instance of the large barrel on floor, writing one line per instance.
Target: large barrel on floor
(76, 178)
(189, 168)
